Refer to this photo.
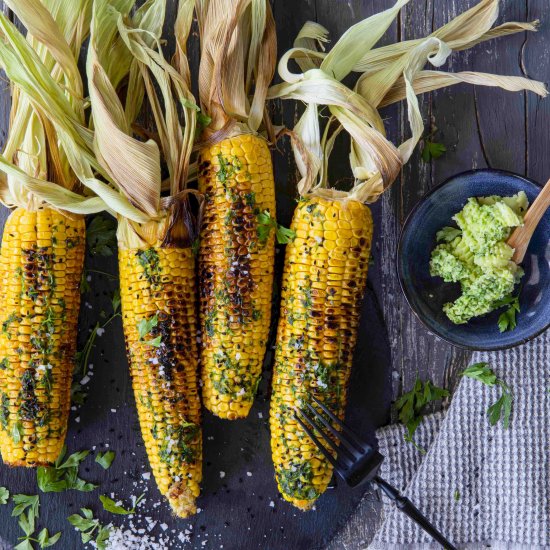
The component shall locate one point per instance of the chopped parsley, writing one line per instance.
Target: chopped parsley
(411, 405)
(502, 408)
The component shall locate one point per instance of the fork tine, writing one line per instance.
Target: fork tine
(352, 438)
(320, 446)
(345, 457)
(346, 444)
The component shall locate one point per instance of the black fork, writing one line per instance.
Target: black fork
(357, 462)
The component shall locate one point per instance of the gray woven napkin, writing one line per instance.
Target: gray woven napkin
(480, 484)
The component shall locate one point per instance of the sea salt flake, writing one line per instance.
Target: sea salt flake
(222, 475)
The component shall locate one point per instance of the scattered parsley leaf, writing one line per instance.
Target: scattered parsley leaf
(105, 459)
(74, 460)
(27, 522)
(410, 406)
(203, 121)
(448, 234)
(155, 342)
(24, 502)
(63, 475)
(24, 545)
(145, 326)
(432, 150)
(285, 235)
(45, 540)
(111, 506)
(507, 319)
(266, 223)
(17, 432)
(87, 526)
(190, 104)
(115, 300)
(457, 495)
(482, 373)
(502, 408)
(101, 236)
(4, 495)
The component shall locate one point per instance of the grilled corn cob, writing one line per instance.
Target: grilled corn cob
(323, 284)
(160, 325)
(236, 271)
(41, 264)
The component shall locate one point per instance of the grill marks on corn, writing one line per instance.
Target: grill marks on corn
(40, 266)
(323, 284)
(158, 286)
(235, 271)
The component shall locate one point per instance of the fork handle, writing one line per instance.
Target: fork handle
(408, 508)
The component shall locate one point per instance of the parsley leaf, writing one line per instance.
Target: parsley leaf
(502, 408)
(24, 545)
(111, 506)
(507, 319)
(432, 150)
(266, 223)
(285, 235)
(410, 406)
(105, 459)
(448, 234)
(4, 495)
(17, 432)
(115, 300)
(87, 526)
(63, 475)
(45, 540)
(482, 373)
(101, 236)
(145, 327)
(24, 502)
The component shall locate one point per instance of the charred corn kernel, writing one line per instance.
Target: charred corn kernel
(157, 289)
(320, 307)
(41, 262)
(236, 271)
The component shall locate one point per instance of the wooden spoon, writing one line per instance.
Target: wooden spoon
(519, 239)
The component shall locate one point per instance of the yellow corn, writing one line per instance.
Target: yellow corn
(236, 271)
(323, 284)
(41, 264)
(157, 287)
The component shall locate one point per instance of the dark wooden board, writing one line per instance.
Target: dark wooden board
(480, 128)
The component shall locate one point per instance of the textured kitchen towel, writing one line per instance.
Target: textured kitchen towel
(480, 484)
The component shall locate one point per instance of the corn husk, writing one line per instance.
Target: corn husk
(238, 58)
(388, 74)
(134, 166)
(49, 155)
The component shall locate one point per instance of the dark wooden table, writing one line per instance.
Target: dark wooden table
(480, 128)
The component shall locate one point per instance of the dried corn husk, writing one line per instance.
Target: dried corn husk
(238, 58)
(50, 148)
(389, 74)
(134, 166)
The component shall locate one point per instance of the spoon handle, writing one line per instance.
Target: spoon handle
(519, 240)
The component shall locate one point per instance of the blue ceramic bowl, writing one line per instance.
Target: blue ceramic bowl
(426, 294)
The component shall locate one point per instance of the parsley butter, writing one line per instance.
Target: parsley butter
(475, 254)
